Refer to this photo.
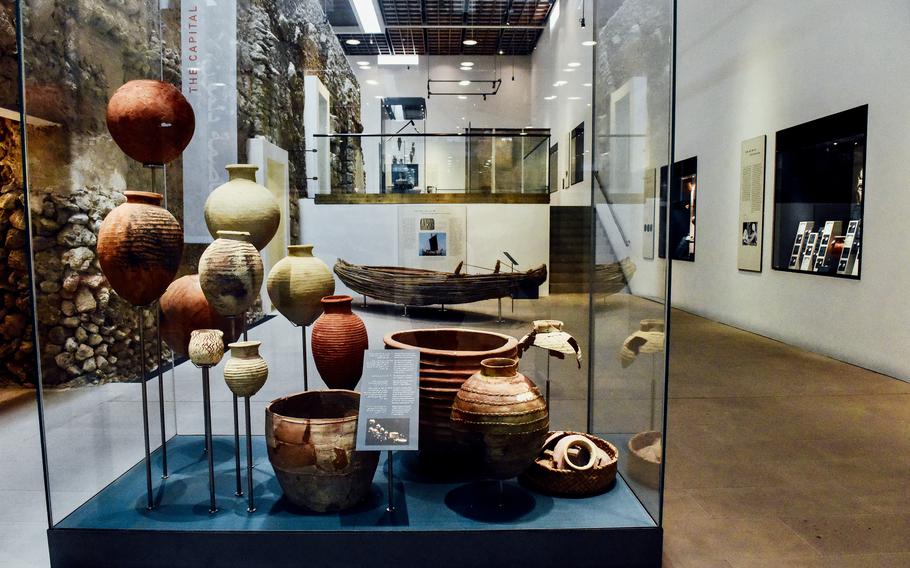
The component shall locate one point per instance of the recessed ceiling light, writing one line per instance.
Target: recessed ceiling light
(466, 68)
(589, 43)
(559, 83)
(574, 64)
(378, 96)
(467, 64)
(586, 85)
(352, 41)
(462, 97)
(574, 98)
(372, 82)
(365, 67)
(470, 42)
(568, 70)
(464, 83)
(363, 63)
(550, 98)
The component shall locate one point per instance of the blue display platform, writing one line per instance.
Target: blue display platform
(452, 522)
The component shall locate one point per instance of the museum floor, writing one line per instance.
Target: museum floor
(777, 457)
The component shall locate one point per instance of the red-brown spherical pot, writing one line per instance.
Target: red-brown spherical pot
(139, 248)
(184, 309)
(339, 339)
(151, 121)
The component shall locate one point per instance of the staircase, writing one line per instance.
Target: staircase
(570, 249)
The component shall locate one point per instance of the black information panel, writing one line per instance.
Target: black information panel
(819, 188)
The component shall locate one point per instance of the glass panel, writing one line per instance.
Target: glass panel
(89, 335)
(631, 134)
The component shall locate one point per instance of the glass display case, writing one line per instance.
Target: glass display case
(213, 318)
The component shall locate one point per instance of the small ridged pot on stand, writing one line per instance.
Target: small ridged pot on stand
(501, 418)
(245, 373)
(339, 340)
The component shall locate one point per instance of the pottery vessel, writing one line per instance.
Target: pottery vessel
(501, 418)
(297, 284)
(311, 442)
(230, 273)
(448, 357)
(185, 309)
(139, 248)
(339, 339)
(206, 347)
(241, 204)
(246, 371)
(645, 455)
(151, 121)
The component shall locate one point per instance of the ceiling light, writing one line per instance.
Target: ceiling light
(586, 85)
(352, 41)
(574, 98)
(398, 59)
(466, 68)
(568, 70)
(560, 83)
(378, 97)
(464, 83)
(462, 97)
(589, 43)
(574, 64)
(550, 98)
(366, 15)
(467, 64)
(365, 67)
(470, 42)
(363, 63)
(372, 82)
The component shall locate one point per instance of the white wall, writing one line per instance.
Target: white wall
(368, 234)
(754, 67)
(559, 45)
(510, 108)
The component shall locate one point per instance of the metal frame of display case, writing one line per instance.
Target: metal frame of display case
(389, 544)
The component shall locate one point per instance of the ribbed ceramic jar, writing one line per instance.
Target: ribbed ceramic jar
(230, 273)
(311, 444)
(241, 204)
(501, 418)
(298, 283)
(185, 309)
(206, 347)
(448, 357)
(139, 248)
(339, 339)
(151, 121)
(246, 371)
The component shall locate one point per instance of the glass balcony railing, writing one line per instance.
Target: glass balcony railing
(482, 161)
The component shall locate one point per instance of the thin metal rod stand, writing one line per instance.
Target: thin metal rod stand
(391, 506)
(150, 503)
(364, 300)
(306, 381)
(499, 317)
(209, 451)
(548, 382)
(251, 507)
(164, 472)
(239, 489)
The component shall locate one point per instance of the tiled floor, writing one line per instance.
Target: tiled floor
(777, 457)
(782, 458)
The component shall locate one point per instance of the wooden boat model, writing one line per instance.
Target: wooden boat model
(418, 287)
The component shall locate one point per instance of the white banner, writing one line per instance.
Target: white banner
(209, 63)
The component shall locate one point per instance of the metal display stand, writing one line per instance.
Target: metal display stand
(209, 451)
(306, 382)
(164, 469)
(150, 502)
(238, 491)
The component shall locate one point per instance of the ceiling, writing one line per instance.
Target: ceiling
(439, 27)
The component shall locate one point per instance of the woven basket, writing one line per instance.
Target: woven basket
(542, 475)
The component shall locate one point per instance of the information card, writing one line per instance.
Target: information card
(751, 204)
(389, 408)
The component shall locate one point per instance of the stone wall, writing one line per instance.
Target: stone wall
(77, 53)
